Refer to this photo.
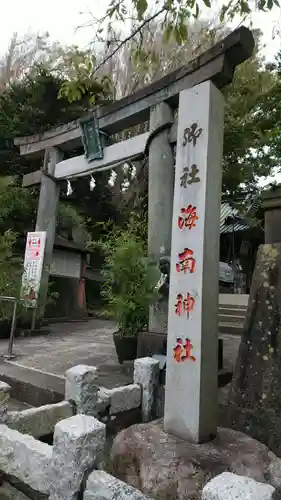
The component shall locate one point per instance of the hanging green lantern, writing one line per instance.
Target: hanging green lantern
(93, 139)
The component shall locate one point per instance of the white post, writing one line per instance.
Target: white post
(146, 374)
(192, 370)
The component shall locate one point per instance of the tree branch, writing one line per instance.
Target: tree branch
(128, 38)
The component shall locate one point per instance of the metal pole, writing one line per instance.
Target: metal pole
(33, 321)
(10, 354)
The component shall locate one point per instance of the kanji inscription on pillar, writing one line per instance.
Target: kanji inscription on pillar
(183, 351)
(188, 217)
(185, 304)
(191, 372)
(191, 134)
(189, 176)
(186, 262)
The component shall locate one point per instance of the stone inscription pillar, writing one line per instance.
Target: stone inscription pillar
(192, 368)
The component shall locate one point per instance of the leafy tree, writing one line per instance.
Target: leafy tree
(30, 106)
(246, 156)
(172, 16)
(10, 272)
(269, 113)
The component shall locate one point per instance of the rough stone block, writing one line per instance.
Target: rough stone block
(228, 486)
(25, 458)
(4, 400)
(165, 466)
(124, 398)
(103, 486)
(77, 447)
(81, 388)
(146, 374)
(39, 421)
(255, 387)
(103, 401)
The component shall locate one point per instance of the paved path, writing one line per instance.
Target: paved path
(90, 343)
(70, 344)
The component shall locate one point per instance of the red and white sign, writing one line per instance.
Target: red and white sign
(33, 266)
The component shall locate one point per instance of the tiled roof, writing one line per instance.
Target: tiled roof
(240, 224)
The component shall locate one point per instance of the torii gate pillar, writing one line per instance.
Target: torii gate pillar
(46, 221)
(160, 198)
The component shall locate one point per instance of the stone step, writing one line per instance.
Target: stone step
(32, 387)
(233, 299)
(230, 328)
(230, 318)
(15, 405)
(233, 309)
(232, 313)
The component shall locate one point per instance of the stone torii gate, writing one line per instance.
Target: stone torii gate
(189, 196)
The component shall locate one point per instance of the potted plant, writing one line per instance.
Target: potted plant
(129, 289)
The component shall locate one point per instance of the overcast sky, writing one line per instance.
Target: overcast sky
(61, 18)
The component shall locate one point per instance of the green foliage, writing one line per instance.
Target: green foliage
(31, 106)
(69, 219)
(94, 206)
(130, 278)
(80, 82)
(10, 272)
(269, 114)
(17, 207)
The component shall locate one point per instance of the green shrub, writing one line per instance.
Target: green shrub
(130, 279)
(10, 273)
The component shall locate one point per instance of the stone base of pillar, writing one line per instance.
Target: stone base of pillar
(158, 452)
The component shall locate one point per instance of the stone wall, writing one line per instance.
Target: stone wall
(72, 466)
(69, 468)
(106, 404)
(41, 421)
(79, 427)
(64, 470)
(116, 407)
(25, 458)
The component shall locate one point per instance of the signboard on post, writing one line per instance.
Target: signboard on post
(66, 264)
(33, 266)
(192, 367)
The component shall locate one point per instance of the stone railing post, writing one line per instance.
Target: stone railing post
(146, 374)
(4, 401)
(78, 446)
(81, 388)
